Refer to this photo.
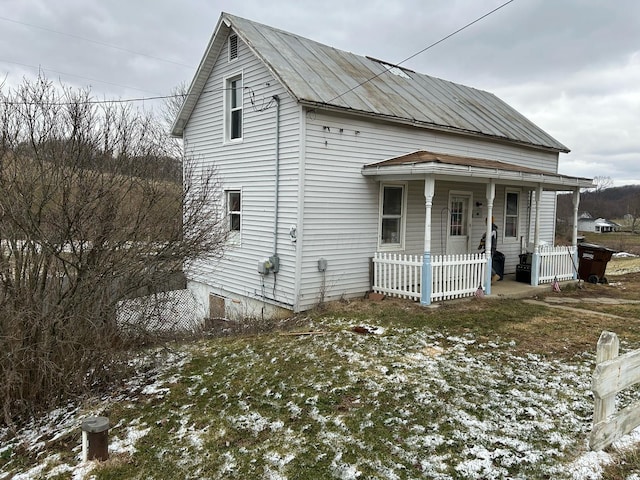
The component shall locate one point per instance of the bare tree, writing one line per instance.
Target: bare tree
(632, 217)
(174, 102)
(602, 183)
(93, 210)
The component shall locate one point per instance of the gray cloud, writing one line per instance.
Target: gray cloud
(572, 66)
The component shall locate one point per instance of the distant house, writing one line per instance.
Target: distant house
(598, 225)
(344, 174)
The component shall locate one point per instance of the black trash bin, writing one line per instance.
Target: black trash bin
(498, 264)
(593, 261)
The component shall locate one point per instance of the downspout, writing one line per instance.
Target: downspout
(277, 187)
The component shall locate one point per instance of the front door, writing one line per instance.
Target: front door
(459, 223)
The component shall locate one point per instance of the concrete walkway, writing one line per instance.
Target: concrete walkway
(509, 288)
(545, 303)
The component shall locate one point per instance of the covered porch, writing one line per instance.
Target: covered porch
(451, 267)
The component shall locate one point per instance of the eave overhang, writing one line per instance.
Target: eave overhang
(474, 170)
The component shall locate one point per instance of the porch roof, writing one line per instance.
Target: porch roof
(421, 163)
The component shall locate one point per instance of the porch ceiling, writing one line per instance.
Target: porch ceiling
(421, 163)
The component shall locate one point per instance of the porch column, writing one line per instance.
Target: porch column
(491, 195)
(427, 272)
(574, 235)
(535, 258)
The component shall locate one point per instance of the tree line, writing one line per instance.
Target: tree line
(613, 203)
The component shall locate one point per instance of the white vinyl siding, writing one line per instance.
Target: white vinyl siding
(341, 206)
(250, 164)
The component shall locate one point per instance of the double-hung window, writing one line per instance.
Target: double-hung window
(511, 209)
(233, 113)
(234, 210)
(392, 215)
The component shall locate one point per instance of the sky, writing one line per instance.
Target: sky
(571, 66)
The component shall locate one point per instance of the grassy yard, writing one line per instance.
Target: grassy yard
(474, 389)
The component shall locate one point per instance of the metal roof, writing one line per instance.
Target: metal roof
(324, 77)
(422, 163)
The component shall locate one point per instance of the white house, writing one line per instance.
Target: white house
(344, 174)
(598, 225)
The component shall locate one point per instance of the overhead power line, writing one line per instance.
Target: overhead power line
(423, 50)
(46, 69)
(161, 97)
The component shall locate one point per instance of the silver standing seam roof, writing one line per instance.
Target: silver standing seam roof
(324, 77)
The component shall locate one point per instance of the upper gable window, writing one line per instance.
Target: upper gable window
(233, 110)
(233, 47)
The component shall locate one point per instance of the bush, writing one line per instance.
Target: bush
(92, 212)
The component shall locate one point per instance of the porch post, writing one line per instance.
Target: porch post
(491, 195)
(535, 258)
(574, 235)
(427, 273)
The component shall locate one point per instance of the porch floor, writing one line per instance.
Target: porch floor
(508, 287)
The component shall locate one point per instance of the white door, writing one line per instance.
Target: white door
(459, 223)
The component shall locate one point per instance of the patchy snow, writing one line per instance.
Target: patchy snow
(459, 408)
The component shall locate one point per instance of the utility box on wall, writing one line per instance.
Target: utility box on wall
(322, 265)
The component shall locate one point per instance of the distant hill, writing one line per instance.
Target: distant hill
(610, 203)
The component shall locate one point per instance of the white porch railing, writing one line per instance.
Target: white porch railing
(397, 275)
(453, 276)
(556, 263)
(457, 276)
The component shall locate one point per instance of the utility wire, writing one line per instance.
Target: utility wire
(97, 42)
(45, 69)
(423, 50)
(161, 97)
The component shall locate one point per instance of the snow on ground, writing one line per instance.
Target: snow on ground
(497, 412)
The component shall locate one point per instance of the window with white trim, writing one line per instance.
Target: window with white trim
(233, 113)
(234, 210)
(392, 215)
(511, 214)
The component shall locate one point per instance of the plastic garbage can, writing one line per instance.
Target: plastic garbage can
(593, 261)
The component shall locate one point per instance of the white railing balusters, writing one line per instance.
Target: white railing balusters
(453, 276)
(397, 275)
(556, 263)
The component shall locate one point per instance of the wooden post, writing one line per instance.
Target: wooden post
(608, 348)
